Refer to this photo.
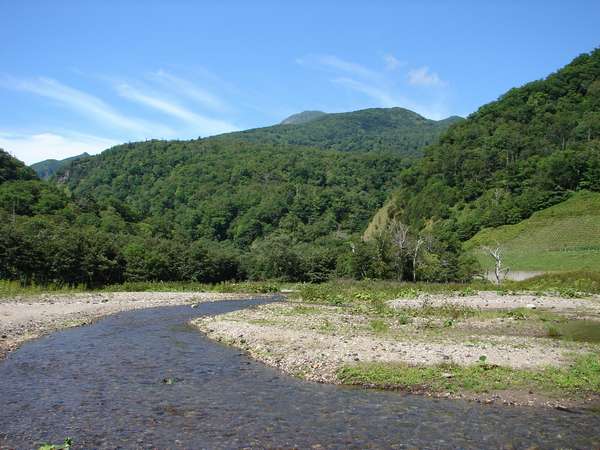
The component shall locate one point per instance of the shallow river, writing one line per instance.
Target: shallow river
(103, 385)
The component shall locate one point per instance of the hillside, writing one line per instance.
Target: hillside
(302, 117)
(226, 190)
(12, 169)
(395, 130)
(45, 169)
(515, 156)
(563, 237)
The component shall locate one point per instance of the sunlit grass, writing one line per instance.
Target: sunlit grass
(581, 377)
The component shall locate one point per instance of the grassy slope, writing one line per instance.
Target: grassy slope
(560, 238)
(379, 220)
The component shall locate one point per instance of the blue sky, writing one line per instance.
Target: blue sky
(82, 76)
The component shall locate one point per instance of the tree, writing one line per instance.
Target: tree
(500, 272)
(419, 241)
(399, 239)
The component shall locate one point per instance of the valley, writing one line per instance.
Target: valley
(355, 275)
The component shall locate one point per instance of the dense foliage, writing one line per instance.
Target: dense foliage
(45, 169)
(514, 156)
(13, 169)
(206, 210)
(395, 130)
(224, 190)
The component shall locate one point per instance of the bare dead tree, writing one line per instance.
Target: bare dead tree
(398, 234)
(416, 248)
(500, 272)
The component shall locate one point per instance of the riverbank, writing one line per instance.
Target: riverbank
(28, 317)
(483, 346)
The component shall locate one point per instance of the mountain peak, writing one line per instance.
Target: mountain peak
(45, 169)
(302, 117)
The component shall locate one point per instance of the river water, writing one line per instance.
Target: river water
(145, 379)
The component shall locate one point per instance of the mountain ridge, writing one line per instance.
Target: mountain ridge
(47, 168)
(397, 130)
(302, 117)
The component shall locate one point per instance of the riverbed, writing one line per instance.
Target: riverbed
(147, 379)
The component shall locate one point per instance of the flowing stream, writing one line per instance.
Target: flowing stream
(146, 379)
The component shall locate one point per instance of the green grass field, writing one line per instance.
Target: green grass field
(564, 237)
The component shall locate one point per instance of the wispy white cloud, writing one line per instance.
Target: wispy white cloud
(422, 76)
(204, 125)
(190, 90)
(386, 99)
(338, 64)
(36, 147)
(347, 66)
(382, 97)
(82, 102)
(384, 87)
(391, 62)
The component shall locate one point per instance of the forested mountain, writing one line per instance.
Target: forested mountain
(236, 191)
(395, 130)
(208, 210)
(291, 201)
(302, 117)
(13, 169)
(45, 169)
(524, 152)
(205, 210)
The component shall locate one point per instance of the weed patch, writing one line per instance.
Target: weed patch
(582, 377)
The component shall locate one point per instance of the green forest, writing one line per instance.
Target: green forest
(292, 201)
(393, 130)
(46, 169)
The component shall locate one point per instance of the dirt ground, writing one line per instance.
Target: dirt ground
(494, 300)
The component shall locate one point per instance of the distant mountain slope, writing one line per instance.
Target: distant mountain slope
(45, 169)
(13, 169)
(230, 190)
(394, 130)
(302, 117)
(517, 155)
(563, 237)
